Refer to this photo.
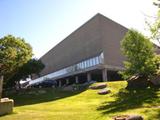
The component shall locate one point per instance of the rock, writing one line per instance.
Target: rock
(138, 81)
(121, 117)
(104, 92)
(155, 80)
(128, 117)
(6, 106)
(99, 86)
(135, 117)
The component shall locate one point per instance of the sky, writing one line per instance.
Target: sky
(44, 23)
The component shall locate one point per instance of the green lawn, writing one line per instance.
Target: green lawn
(87, 104)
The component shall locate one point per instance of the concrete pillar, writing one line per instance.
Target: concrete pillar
(67, 81)
(88, 77)
(1, 86)
(104, 74)
(76, 79)
(60, 83)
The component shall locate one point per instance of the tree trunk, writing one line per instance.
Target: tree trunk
(1, 86)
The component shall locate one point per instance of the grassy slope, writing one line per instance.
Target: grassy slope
(87, 105)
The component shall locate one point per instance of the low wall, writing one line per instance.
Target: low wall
(6, 106)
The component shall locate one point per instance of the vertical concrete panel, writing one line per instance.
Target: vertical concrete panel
(112, 34)
(67, 81)
(88, 77)
(60, 83)
(104, 74)
(77, 80)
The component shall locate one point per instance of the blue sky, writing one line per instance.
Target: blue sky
(44, 23)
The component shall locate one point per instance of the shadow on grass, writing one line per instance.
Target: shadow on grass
(153, 114)
(130, 99)
(33, 96)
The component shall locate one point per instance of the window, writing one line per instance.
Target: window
(94, 61)
(97, 60)
(83, 65)
(88, 61)
(101, 57)
(79, 66)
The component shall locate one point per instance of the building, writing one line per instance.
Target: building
(92, 52)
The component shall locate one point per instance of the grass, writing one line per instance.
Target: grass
(86, 104)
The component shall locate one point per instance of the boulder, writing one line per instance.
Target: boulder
(121, 117)
(6, 106)
(99, 86)
(138, 81)
(128, 117)
(104, 91)
(134, 117)
(155, 80)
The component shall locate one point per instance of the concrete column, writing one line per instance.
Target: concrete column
(104, 74)
(88, 77)
(77, 79)
(1, 86)
(67, 81)
(60, 83)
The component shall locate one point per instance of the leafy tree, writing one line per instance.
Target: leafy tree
(33, 66)
(14, 52)
(155, 28)
(139, 52)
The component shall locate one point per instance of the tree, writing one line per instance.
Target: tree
(139, 52)
(14, 52)
(33, 66)
(154, 26)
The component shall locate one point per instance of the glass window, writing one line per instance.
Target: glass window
(85, 64)
(78, 66)
(91, 62)
(88, 63)
(70, 69)
(101, 58)
(100, 61)
(94, 62)
(82, 65)
(73, 68)
(97, 60)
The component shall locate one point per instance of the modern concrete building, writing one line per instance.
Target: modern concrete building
(92, 52)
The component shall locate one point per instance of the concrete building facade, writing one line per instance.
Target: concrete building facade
(92, 52)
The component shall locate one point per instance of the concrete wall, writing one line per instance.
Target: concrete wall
(112, 33)
(84, 43)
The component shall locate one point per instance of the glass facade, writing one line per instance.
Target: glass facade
(77, 67)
